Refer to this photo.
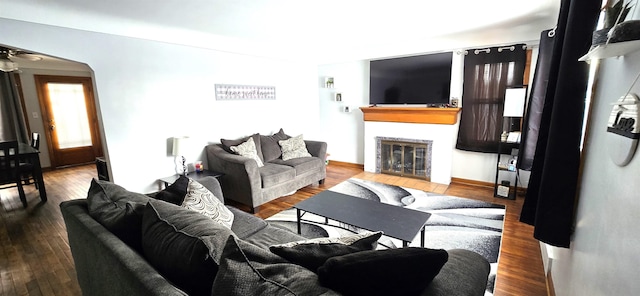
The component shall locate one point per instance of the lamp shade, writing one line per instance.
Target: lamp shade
(179, 145)
(514, 102)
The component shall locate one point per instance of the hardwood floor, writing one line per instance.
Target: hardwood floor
(35, 258)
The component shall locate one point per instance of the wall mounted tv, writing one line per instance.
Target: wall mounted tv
(423, 79)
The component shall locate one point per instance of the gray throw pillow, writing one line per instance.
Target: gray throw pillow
(313, 253)
(118, 210)
(270, 147)
(185, 247)
(249, 270)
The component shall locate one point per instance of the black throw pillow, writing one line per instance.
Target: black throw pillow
(176, 192)
(312, 253)
(406, 271)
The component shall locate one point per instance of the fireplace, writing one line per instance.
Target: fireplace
(404, 157)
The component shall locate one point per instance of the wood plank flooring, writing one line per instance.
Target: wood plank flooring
(35, 258)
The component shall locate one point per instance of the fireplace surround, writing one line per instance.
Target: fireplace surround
(404, 157)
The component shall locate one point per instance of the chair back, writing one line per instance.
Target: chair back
(35, 140)
(9, 162)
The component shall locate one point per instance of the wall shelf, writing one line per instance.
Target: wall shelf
(611, 50)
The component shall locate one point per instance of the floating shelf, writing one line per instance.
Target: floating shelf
(611, 50)
(411, 114)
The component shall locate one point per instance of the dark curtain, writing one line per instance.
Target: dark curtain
(531, 124)
(549, 203)
(486, 77)
(12, 122)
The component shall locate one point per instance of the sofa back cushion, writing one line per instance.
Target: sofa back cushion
(184, 246)
(118, 210)
(270, 146)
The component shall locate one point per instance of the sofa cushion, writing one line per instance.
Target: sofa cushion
(270, 147)
(118, 210)
(176, 192)
(293, 148)
(313, 253)
(302, 165)
(270, 236)
(248, 149)
(201, 200)
(274, 174)
(226, 144)
(375, 272)
(183, 246)
(249, 270)
(245, 224)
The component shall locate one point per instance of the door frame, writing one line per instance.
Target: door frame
(92, 113)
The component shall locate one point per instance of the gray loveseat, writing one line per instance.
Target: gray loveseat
(244, 182)
(106, 265)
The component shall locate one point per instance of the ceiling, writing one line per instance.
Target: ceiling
(324, 31)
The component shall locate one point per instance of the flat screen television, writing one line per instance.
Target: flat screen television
(423, 79)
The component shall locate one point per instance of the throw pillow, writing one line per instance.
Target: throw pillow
(226, 144)
(175, 192)
(249, 270)
(118, 210)
(376, 272)
(183, 246)
(313, 253)
(270, 147)
(201, 200)
(248, 149)
(293, 148)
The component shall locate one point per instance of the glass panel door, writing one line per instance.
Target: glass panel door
(70, 114)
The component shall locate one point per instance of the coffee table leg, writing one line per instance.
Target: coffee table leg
(298, 220)
(405, 244)
(422, 237)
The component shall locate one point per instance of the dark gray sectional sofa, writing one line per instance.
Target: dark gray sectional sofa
(106, 265)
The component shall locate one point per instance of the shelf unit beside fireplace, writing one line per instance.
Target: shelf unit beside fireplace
(405, 159)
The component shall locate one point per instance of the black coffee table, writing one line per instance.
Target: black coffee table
(397, 222)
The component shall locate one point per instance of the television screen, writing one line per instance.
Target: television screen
(424, 79)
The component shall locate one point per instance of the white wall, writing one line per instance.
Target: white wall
(604, 256)
(149, 91)
(344, 131)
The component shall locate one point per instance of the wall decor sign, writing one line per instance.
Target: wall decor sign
(622, 129)
(245, 92)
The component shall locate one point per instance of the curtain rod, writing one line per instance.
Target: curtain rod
(488, 50)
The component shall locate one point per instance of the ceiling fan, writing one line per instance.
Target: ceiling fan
(8, 58)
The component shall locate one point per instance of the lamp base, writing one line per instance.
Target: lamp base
(184, 166)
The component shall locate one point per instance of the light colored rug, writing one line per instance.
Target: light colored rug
(455, 222)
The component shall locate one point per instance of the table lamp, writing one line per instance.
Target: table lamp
(179, 146)
(514, 99)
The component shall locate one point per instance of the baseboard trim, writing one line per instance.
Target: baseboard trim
(461, 181)
(346, 164)
(549, 280)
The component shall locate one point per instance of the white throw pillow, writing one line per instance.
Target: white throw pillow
(248, 149)
(293, 148)
(201, 200)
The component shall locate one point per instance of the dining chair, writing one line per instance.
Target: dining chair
(10, 172)
(27, 167)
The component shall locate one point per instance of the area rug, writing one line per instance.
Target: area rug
(455, 222)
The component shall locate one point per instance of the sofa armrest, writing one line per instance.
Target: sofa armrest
(212, 184)
(104, 264)
(241, 181)
(317, 149)
(465, 274)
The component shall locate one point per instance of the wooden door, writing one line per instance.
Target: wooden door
(70, 119)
